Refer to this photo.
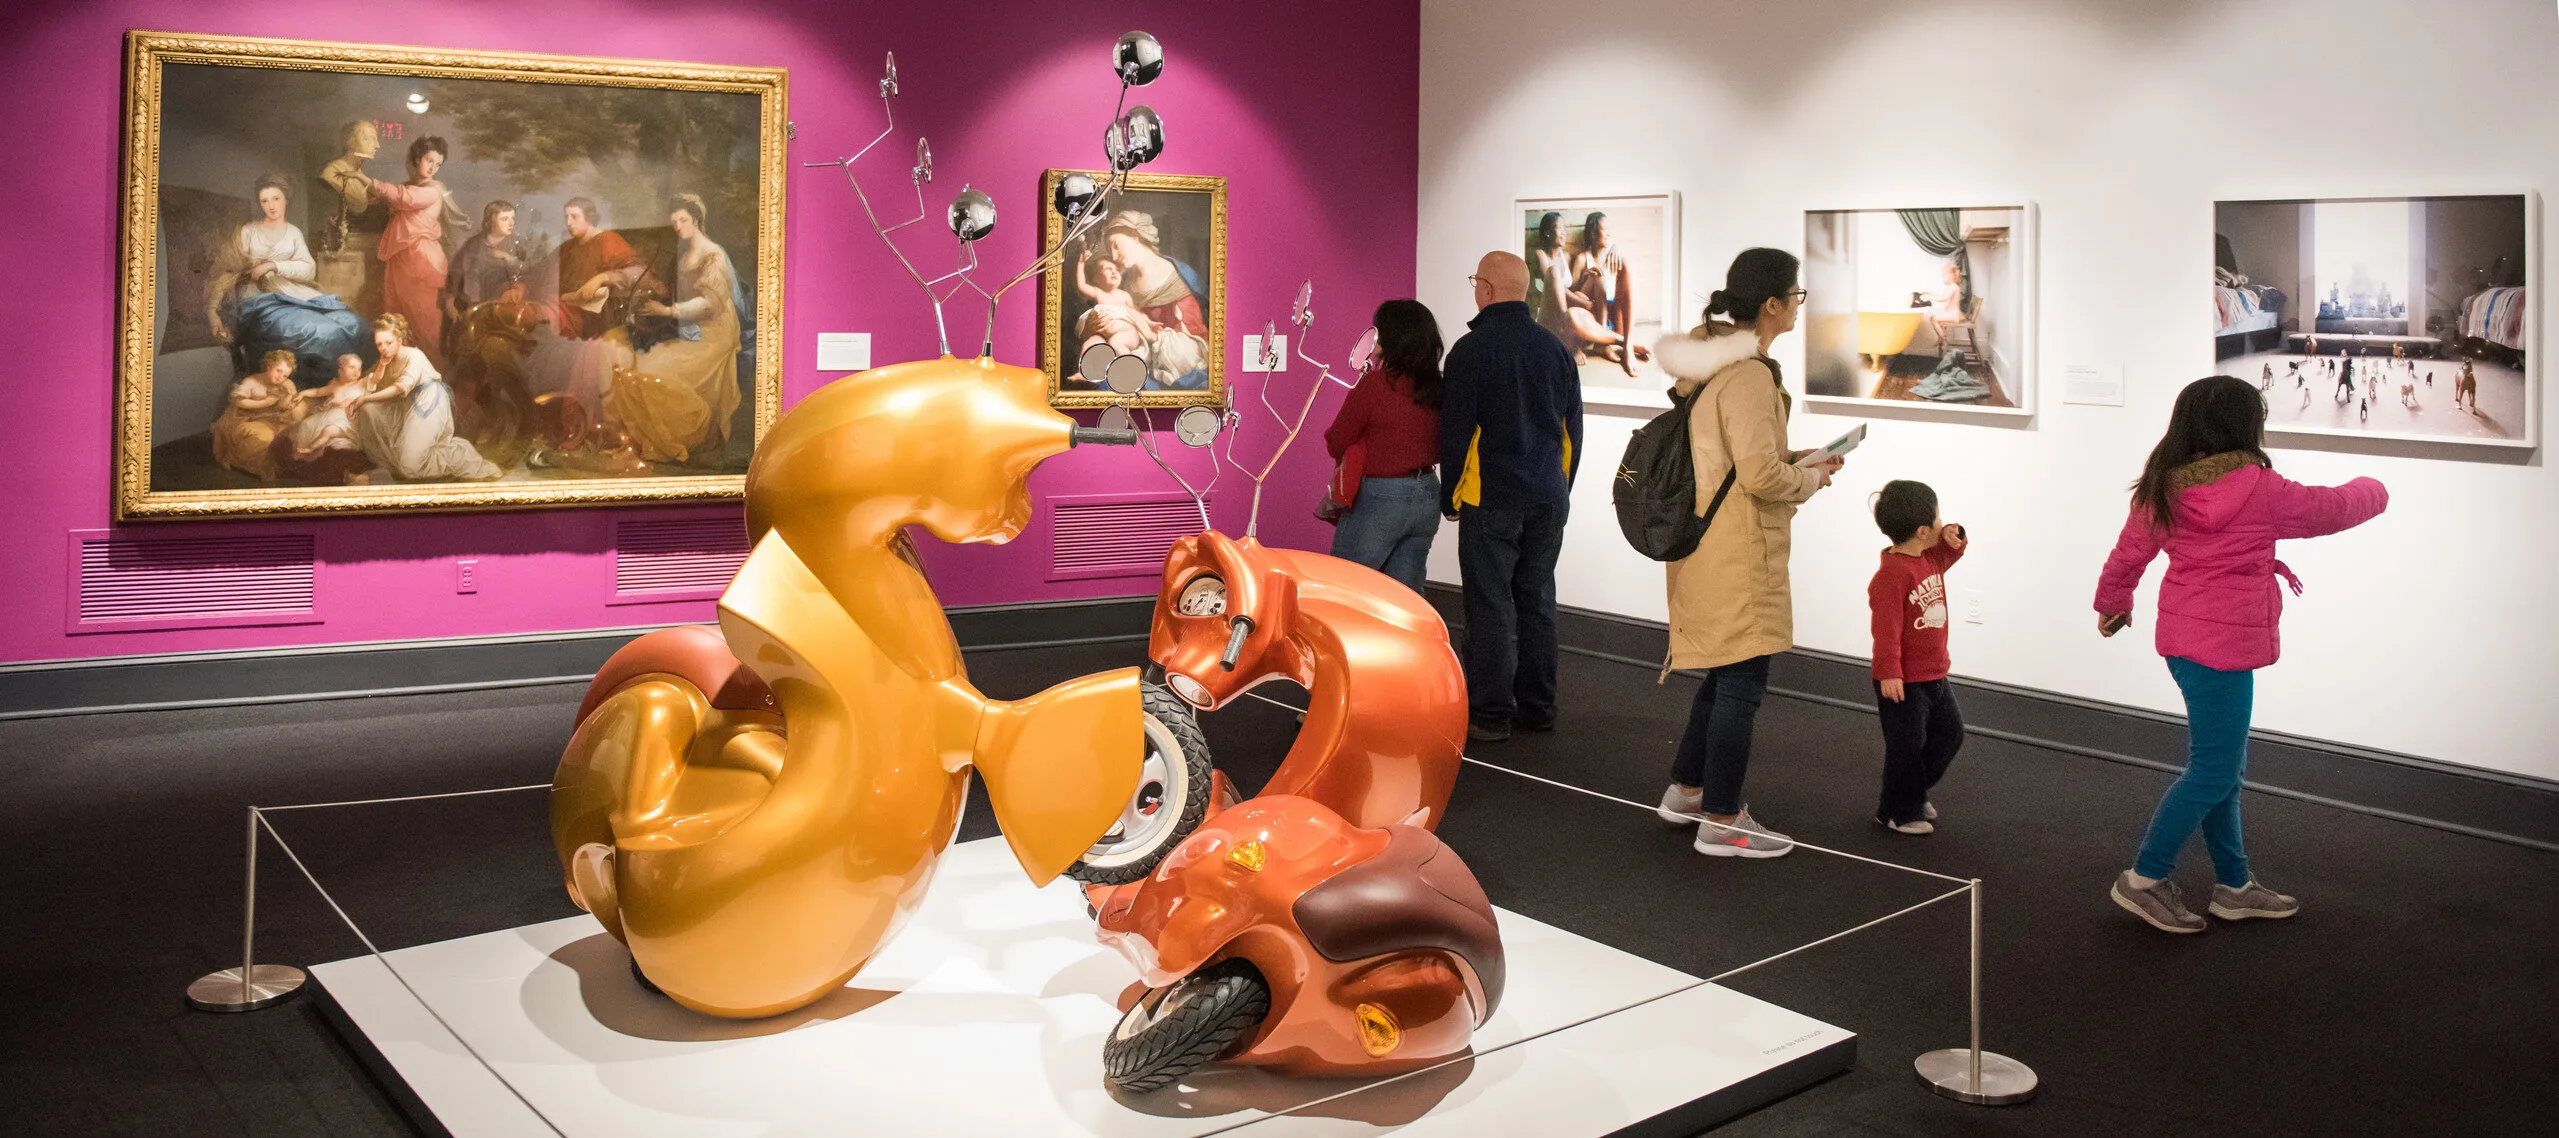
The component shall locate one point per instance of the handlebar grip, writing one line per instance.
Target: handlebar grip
(1100, 436)
(1237, 629)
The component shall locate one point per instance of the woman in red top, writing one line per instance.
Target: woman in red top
(1393, 415)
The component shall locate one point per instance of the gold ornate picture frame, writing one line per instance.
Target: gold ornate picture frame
(576, 264)
(1150, 280)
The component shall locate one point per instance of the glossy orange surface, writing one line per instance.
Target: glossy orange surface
(755, 856)
(1386, 716)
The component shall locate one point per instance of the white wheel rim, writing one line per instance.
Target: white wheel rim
(1163, 788)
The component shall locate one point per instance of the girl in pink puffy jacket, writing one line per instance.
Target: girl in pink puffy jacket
(2210, 497)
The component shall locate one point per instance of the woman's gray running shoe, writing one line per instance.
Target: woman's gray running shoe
(2250, 900)
(1680, 807)
(1741, 837)
(2160, 905)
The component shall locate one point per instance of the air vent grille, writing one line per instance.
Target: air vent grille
(678, 559)
(1118, 536)
(165, 582)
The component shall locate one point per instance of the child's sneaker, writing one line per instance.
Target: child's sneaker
(1928, 810)
(2160, 905)
(1681, 806)
(1741, 837)
(2250, 900)
(1914, 826)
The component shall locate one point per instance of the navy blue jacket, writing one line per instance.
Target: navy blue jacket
(1510, 427)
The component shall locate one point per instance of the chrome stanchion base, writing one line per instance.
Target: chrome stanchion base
(1950, 1073)
(223, 992)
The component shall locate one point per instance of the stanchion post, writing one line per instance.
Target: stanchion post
(1970, 1074)
(252, 985)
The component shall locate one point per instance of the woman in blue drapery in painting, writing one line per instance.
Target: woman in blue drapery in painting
(1169, 293)
(263, 300)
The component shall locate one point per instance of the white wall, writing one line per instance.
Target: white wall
(2433, 631)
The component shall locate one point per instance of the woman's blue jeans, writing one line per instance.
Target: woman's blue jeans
(2207, 795)
(1391, 526)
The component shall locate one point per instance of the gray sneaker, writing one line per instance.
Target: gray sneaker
(1742, 837)
(2250, 900)
(2160, 905)
(1681, 806)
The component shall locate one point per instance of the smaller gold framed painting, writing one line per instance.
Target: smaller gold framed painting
(1149, 280)
(370, 279)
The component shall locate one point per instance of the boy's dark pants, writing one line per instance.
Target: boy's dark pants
(1922, 732)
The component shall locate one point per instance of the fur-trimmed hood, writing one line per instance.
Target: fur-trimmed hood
(1693, 357)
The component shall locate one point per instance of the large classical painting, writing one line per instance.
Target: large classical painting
(2402, 318)
(1149, 280)
(384, 279)
(1603, 276)
(1927, 307)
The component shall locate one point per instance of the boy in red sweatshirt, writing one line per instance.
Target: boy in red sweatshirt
(1922, 726)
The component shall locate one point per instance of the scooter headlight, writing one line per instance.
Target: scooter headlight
(1189, 690)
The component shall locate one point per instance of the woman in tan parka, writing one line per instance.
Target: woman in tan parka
(1730, 609)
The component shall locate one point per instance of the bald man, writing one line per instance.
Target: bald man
(1510, 437)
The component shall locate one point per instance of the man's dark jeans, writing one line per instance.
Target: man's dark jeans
(1508, 559)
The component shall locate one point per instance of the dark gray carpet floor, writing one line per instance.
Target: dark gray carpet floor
(2415, 995)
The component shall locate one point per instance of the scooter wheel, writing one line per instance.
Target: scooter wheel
(1181, 1027)
(1171, 799)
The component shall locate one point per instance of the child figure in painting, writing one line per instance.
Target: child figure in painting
(1114, 318)
(1907, 599)
(262, 405)
(2210, 499)
(326, 424)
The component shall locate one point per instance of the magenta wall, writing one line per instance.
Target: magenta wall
(1308, 109)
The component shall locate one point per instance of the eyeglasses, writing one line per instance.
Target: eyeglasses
(1799, 294)
(1474, 279)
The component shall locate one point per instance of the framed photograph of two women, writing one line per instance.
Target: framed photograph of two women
(373, 279)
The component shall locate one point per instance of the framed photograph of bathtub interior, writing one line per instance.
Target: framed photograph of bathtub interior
(1603, 276)
(1150, 281)
(369, 279)
(2406, 318)
(1921, 308)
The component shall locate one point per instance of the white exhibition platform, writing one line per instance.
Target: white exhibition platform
(987, 1015)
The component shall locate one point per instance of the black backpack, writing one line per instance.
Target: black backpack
(1656, 487)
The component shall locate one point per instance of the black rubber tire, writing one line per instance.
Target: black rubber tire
(646, 984)
(1205, 1016)
(1181, 724)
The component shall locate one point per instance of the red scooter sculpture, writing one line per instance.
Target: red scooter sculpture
(1319, 928)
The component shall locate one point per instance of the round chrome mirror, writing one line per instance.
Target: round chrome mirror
(888, 79)
(1142, 133)
(923, 159)
(1115, 419)
(1138, 58)
(1196, 426)
(1364, 352)
(972, 215)
(1304, 309)
(1095, 363)
(1075, 194)
(1126, 375)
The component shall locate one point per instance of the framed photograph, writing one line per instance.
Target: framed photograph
(1603, 276)
(1149, 280)
(367, 279)
(1925, 307)
(2402, 318)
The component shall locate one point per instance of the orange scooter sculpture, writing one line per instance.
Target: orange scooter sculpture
(756, 810)
(1320, 927)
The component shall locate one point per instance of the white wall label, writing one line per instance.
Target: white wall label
(2100, 385)
(1253, 354)
(844, 351)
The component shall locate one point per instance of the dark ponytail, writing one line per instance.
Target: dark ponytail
(2213, 416)
(1756, 277)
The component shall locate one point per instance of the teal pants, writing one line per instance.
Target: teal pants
(2207, 795)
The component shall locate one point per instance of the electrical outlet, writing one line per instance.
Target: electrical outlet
(1972, 606)
(1253, 360)
(466, 575)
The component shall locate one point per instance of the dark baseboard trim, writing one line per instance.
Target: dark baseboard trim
(2517, 809)
(174, 680)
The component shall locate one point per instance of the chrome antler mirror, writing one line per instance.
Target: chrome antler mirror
(1137, 58)
(972, 215)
